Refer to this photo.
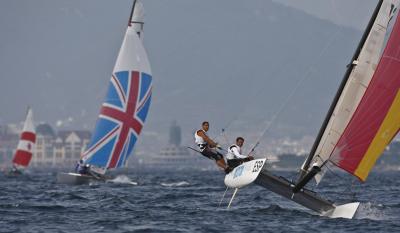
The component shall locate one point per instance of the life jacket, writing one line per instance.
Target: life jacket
(199, 140)
(230, 154)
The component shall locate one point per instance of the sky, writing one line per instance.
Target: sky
(340, 12)
(234, 63)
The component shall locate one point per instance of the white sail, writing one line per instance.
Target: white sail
(132, 55)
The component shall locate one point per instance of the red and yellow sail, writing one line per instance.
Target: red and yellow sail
(377, 117)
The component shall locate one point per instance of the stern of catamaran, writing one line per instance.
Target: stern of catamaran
(256, 172)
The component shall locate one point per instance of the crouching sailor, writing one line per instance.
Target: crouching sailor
(234, 156)
(208, 147)
(81, 168)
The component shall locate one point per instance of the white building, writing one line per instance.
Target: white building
(63, 149)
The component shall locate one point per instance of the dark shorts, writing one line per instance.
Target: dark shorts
(232, 163)
(212, 154)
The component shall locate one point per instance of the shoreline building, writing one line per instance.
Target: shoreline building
(174, 156)
(61, 149)
(53, 149)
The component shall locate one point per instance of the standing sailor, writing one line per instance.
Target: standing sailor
(208, 147)
(234, 156)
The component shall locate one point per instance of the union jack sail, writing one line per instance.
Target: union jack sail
(127, 103)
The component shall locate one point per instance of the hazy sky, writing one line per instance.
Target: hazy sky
(215, 60)
(351, 13)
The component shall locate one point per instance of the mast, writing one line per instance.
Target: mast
(130, 17)
(302, 177)
(136, 18)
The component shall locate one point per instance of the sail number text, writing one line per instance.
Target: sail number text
(258, 165)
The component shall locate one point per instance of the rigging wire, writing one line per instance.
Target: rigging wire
(299, 83)
(349, 190)
(279, 69)
(307, 75)
(277, 72)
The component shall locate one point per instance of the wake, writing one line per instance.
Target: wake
(370, 211)
(122, 179)
(175, 184)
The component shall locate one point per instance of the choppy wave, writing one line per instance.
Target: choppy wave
(167, 202)
(175, 184)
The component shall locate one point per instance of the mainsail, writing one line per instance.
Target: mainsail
(26, 144)
(365, 114)
(127, 102)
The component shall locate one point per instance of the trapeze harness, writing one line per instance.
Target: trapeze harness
(200, 141)
(235, 157)
(211, 154)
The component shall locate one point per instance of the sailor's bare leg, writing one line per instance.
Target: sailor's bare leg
(221, 163)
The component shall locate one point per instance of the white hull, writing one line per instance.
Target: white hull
(244, 174)
(343, 211)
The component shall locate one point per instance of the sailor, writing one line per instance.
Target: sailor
(82, 168)
(208, 147)
(78, 165)
(234, 156)
(15, 170)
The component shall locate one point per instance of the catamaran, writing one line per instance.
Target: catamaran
(26, 146)
(363, 119)
(124, 110)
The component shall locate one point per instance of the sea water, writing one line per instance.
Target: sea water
(187, 201)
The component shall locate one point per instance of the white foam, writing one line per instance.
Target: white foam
(175, 184)
(370, 211)
(122, 179)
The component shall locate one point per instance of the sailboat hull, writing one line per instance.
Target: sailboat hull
(244, 174)
(305, 197)
(255, 172)
(74, 178)
(13, 173)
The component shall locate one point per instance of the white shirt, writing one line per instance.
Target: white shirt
(235, 152)
(199, 140)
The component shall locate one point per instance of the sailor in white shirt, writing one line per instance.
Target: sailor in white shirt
(234, 156)
(208, 147)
